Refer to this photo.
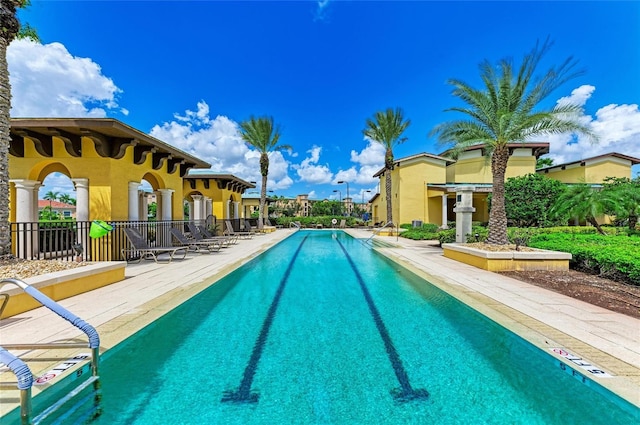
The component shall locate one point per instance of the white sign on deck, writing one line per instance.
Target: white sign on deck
(578, 361)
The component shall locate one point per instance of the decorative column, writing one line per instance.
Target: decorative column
(236, 209)
(444, 211)
(143, 208)
(197, 208)
(228, 210)
(82, 199)
(208, 207)
(82, 211)
(464, 211)
(166, 200)
(26, 210)
(134, 201)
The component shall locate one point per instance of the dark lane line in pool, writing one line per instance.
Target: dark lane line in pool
(243, 394)
(406, 392)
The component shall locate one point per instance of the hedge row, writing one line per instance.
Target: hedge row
(615, 257)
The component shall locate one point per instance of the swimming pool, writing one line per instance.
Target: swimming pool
(322, 330)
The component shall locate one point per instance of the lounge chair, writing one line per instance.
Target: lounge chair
(194, 245)
(343, 224)
(248, 228)
(268, 223)
(203, 234)
(230, 232)
(200, 234)
(146, 252)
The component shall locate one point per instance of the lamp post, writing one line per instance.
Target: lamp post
(364, 211)
(363, 192)
(340, 193)
(347, 183)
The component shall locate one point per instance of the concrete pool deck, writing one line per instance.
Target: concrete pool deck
(607, 340)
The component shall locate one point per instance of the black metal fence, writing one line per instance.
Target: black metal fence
(68, 240)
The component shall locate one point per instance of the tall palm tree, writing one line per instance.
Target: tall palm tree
(263, 135)
(502, 112)
(67, 199)
(9, 30)
(386, 128)
(51, 196)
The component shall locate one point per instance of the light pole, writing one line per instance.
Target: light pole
(347, 183)
(340, 193)
(363, 192)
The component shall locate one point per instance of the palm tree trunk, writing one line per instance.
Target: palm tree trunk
(498, 214)
(5, 139)
(263, 198)
(387, 182)
(595, 224)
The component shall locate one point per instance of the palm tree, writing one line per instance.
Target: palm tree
(582, 202)
(9, 30)
(51, 196)
(502, 112)
(66, 198)
(623, 198)
(264, 136)
(386, 128)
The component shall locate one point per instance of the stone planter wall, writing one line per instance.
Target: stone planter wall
(62, 284)
(508, 261)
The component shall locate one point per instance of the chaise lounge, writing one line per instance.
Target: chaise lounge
(195, 245)
(146, 252)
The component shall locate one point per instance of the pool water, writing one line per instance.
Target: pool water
(322, 330)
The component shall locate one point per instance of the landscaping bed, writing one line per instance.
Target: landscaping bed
(596, 290)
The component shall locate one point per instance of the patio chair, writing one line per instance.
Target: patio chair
(194, 245)
(343, 224)
(141, 246)
(268, 223)
(200, 234)
(203, 234)
(248, 228)
(230, 232)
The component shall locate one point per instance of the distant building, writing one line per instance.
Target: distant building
(59, 208)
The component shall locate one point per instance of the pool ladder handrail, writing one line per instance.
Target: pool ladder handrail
(376, 232)
(23, 373)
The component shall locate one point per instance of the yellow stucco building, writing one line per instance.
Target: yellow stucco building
(107, 161)
(424, 186)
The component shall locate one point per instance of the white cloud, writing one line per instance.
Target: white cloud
(321, 11)
(47, 81)
(368, 162)
(310, 172)
(218, 142)
(312, 194)
(617, 126)
(578, 96)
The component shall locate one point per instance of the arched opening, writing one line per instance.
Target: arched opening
(57, 198)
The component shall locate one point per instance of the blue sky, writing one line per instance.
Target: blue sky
(188, 72)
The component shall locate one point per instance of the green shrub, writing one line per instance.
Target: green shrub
(615, 257)
(447, 236)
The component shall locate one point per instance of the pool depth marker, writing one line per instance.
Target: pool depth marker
(406, 392)
(243, 394)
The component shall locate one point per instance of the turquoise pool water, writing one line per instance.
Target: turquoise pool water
(322, 330)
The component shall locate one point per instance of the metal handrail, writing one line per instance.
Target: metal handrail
(25, 393)
(24, 382)
(377, 231)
